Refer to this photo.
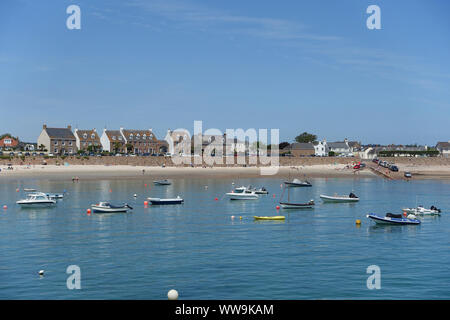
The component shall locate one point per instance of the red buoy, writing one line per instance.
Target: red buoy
(5, 207)
(88, 211)
(145, 203)
(278, 207)
(216, 199)
(110, 190)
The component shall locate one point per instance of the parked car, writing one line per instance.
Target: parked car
(27, 154)
(375, 160)
(51, 155)
(34, 154)
(393, 168)
(1, 153)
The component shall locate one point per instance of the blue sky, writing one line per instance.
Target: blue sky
(294, 65)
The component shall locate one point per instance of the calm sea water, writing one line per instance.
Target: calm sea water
(198, 249)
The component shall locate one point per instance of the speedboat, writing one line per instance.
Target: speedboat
(396, 219)
(298, 183)
(36, 200)
(163, 182)
(269, 217)
(340, 198)
(420, 210)
(242, 193)
(262, 190)
(106, 207)
(292, 205)
(159, 201)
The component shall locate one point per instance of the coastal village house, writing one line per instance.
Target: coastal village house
(113, 141)
(57, 140)
(340, 147)
(8, 142)
(174, 138)
(88, 140)
(229, 145)
(132, 141)
(321, 148)
(28, 146)
(443, 148)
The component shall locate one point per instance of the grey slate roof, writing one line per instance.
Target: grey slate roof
(60, 133)
(337, 145)
(300, 146)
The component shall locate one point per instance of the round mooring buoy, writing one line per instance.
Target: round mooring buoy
(172, 294)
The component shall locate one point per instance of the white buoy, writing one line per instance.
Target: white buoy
(41, 272)
(135, 195)
(172, 294)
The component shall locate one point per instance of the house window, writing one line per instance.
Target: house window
(63, 143)
(138, 136)
(85, 135)
(131, 136)
(114, 138)
(8, 141)
(120, 138)
(70, 150)
(70, 143)
(84, 144)
(56, 143)
(56, 150)
(144, 136)
(93, 136)
(90, 143)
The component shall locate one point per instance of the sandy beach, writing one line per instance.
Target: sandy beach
(139, 172)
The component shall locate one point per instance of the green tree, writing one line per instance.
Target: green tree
(283, 145)
(306, 137)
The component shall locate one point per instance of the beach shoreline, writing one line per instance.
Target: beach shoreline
(91, 172)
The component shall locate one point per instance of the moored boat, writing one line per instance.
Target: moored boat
(242, 193)
(36, 200)
(292, 205)
(340, 198)
(269, 217)
(159, 201)
(395, 219)
(420, 210)
(163, 182)
(106, 207)
(298, 183)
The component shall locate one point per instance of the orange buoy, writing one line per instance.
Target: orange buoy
(88, 211)
(145, 203)
(110, 190)
(278, 207)
(17, 190)
(5, 207)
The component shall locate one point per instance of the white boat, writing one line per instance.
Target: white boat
(340, 198)
(394, 219)
(106, 207)
(293, 205)
(36, 200)
(163, 182)
(29, 190)
(261, 190)
(423, 211)
(159, 201)
(298, 183)
(242, 193)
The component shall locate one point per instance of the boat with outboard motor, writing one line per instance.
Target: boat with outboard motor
(295, 205)
(340, 198)
(38, 199)
(395, 219)
(159, 201)
(420, 210)
(106, 207)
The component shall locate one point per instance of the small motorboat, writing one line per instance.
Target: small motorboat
(269, 217)
(106, 207)
(36, 200)
(159, 201)
(420, 210)
(298, 183)
(29, 190)
(340, 198)
(396, 219)
(408, 174)
(242, 193)
(262, 190)
(292, 205)
(163, 182)
(55, 195)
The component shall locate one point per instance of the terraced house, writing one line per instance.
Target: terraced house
(88, 140)
(143, 141)
(113, 141)
(57, 140)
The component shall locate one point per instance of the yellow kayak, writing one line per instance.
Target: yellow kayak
(269, 218)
